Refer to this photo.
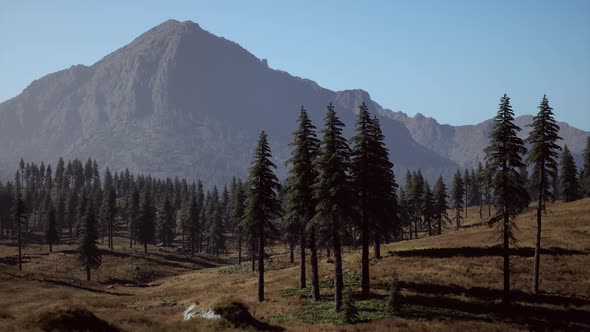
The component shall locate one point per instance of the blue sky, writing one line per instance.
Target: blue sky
(451, 60)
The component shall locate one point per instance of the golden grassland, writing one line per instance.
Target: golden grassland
(449, 282)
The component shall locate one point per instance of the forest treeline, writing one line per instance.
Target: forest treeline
(339, 193)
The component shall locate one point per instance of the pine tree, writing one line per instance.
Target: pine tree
(19, 215)
(108, 207)
(71, 208)
(334, 194)
(415, 196)
(543, 156)
(133, 214)
(428, 207)
(49, 221)
(383, 203)
(90, 256)
(504, 154)
(237, 200)
(361, 159)
(568, 177)
(300, 203)
(166, 227)
(457, 197)
(585, 173)
(146, 219)
(193, 222)
(262, 204)
(440, 204)
(467, 188)
(215, 233)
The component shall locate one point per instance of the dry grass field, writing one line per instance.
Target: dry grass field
(449, 282)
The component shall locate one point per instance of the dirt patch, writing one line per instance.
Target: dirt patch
(237, 314)
(72, 319)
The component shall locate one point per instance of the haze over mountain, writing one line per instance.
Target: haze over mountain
(180, 101)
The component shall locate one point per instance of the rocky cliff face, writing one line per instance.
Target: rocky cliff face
(179, 100)
(464, 144)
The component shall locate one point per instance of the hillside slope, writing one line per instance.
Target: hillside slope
(449, 282)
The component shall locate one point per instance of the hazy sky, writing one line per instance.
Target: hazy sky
(451, 60)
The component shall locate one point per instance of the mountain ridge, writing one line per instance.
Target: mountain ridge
(179, 100)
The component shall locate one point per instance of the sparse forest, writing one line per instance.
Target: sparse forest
(340, 196)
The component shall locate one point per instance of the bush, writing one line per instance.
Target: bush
(350, 313)
(393, 301)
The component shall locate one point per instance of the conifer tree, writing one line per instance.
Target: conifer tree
(457, 197)
(428, 206)
(49, 221)
(89, 254)
(166, 227)
(300, 203)
(108, 207)
(133, 214)
(262, 204)
(467, 188)
(543, 156)
(334, 193)
(19, 215)
(193, 223)
(361, 159)
(146, 222)
(71, 208)
(440, 204)
(415, 195)
(215, 233)
(384, 208)
(568, 177)
(504, 154)
(236, 213)
(585, 173)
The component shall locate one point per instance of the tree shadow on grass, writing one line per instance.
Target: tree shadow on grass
(432, 301)
(483, 252)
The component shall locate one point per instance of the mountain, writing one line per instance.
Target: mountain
(464, 144)
(179, 100)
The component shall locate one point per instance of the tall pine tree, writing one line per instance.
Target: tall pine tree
(504, 154)
(334, 193)
(89, 254)
(543, 156)
(262, 204)
(300, 203)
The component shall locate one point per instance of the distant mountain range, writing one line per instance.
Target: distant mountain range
(180, 101)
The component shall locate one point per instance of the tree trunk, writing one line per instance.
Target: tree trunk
(506, 252)
(458, 219)
(440, 225)
(540, 203)
(291, 252)
(377, 246)
(315, 280)
(429, 227)
(410, 230)
(416, 228)
(261, 262)
(338, 278)
(50, 247)
(253, 246)
(145, 247)
(20, 259)
(131, 239)
(88, 273)
(239, 248)
(365, 252)
(302, 279)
